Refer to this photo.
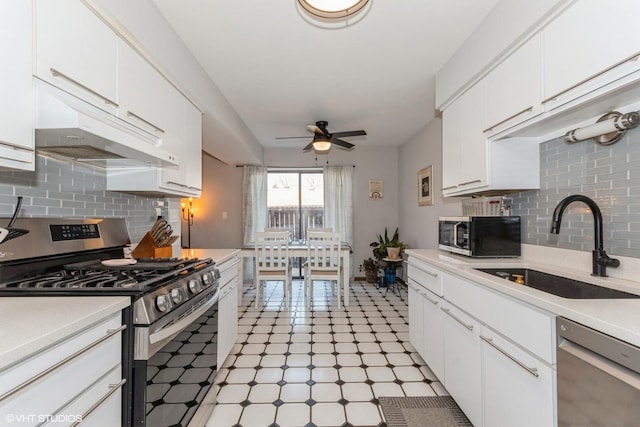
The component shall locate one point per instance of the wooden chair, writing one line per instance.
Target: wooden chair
(272, 260)
(323, 262)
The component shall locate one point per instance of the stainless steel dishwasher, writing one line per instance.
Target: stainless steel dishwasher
(598, 378)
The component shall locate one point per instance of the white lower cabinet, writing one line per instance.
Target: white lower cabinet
(462, 361)
(518, 388)
(77, 379)
(494, 354)
(433, 334)
(416, 316)
(228, 307)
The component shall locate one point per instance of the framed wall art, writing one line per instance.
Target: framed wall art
(425, 186)
(376, 189)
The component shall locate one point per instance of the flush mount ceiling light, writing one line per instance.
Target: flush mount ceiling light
(333, 13)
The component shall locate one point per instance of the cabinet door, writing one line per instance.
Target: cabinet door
(451, 147)
(416, 325)
(464, 146)
(514, 87)
(193, 140)
(433, 338)
(141, 90)
(77, 52)
(180, 138)
(518, 389)
(16, 86)
(579, 46)
(462, 361)
(227, 321)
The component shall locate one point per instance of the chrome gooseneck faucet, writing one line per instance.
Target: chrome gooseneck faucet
(600, 258)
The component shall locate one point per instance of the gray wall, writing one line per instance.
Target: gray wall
(609, 175)
(221, 192)
(63, 189)
(419, 224)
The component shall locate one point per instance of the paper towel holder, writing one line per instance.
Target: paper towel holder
(607, 130)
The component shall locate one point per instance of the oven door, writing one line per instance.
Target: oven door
(150, 339)
(175, 370)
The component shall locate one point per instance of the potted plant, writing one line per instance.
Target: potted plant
(384, 242)
(370, 270)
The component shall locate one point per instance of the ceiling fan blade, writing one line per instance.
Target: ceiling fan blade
(292, 137)
(308, 147)
(342, 144)
(314, 129)
(348, 133)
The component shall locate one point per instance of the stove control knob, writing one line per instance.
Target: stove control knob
(195, 285)
(162, 303)
(208, 279)
(176, 296)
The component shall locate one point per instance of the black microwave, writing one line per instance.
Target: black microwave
(481, 236)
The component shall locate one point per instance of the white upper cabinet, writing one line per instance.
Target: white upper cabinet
(16, 86)
(590, 44)
(514, 87)
(182, 135)
(141, 90)
(464, 145)
(76, 52)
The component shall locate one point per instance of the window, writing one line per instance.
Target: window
(295, 200)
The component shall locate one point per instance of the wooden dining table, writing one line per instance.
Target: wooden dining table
(298, 249)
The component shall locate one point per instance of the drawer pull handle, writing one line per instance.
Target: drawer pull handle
(633, 57)
(57, 73)
(112, 389)
(532, 371)
(449, 187)
(526, 110)
(30, 381)
(432, 301)
(134, 115)
(471, 182)
(448, 312)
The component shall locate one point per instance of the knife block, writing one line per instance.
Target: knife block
(147, 249)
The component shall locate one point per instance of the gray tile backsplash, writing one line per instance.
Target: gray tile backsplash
(609, 175)
(63, 189)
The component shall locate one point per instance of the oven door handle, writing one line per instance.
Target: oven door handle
(181, 324)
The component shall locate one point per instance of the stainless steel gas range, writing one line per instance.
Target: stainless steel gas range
(169, 351)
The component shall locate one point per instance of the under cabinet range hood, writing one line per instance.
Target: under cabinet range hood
(71, 129)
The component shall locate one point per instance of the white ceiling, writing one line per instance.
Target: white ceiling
(280, 73)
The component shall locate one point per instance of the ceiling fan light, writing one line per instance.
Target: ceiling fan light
(322, 146)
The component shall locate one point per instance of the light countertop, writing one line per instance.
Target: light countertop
(217, 255)
(617, 317)
(29, 325)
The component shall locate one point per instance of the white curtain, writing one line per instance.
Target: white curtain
(338, 200)
(254, 207)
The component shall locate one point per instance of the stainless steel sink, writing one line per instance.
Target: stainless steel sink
(557, 285)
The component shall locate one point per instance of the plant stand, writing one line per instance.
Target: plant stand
(389, 280)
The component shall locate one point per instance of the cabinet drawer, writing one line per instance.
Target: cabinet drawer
(425, 275)
(228, 270)
(104, 396)
(72, 366)
(531, 328)
(518, 388)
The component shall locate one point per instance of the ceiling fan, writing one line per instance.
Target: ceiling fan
(323, 140)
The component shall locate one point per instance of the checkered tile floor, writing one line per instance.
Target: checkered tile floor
(319, 366)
